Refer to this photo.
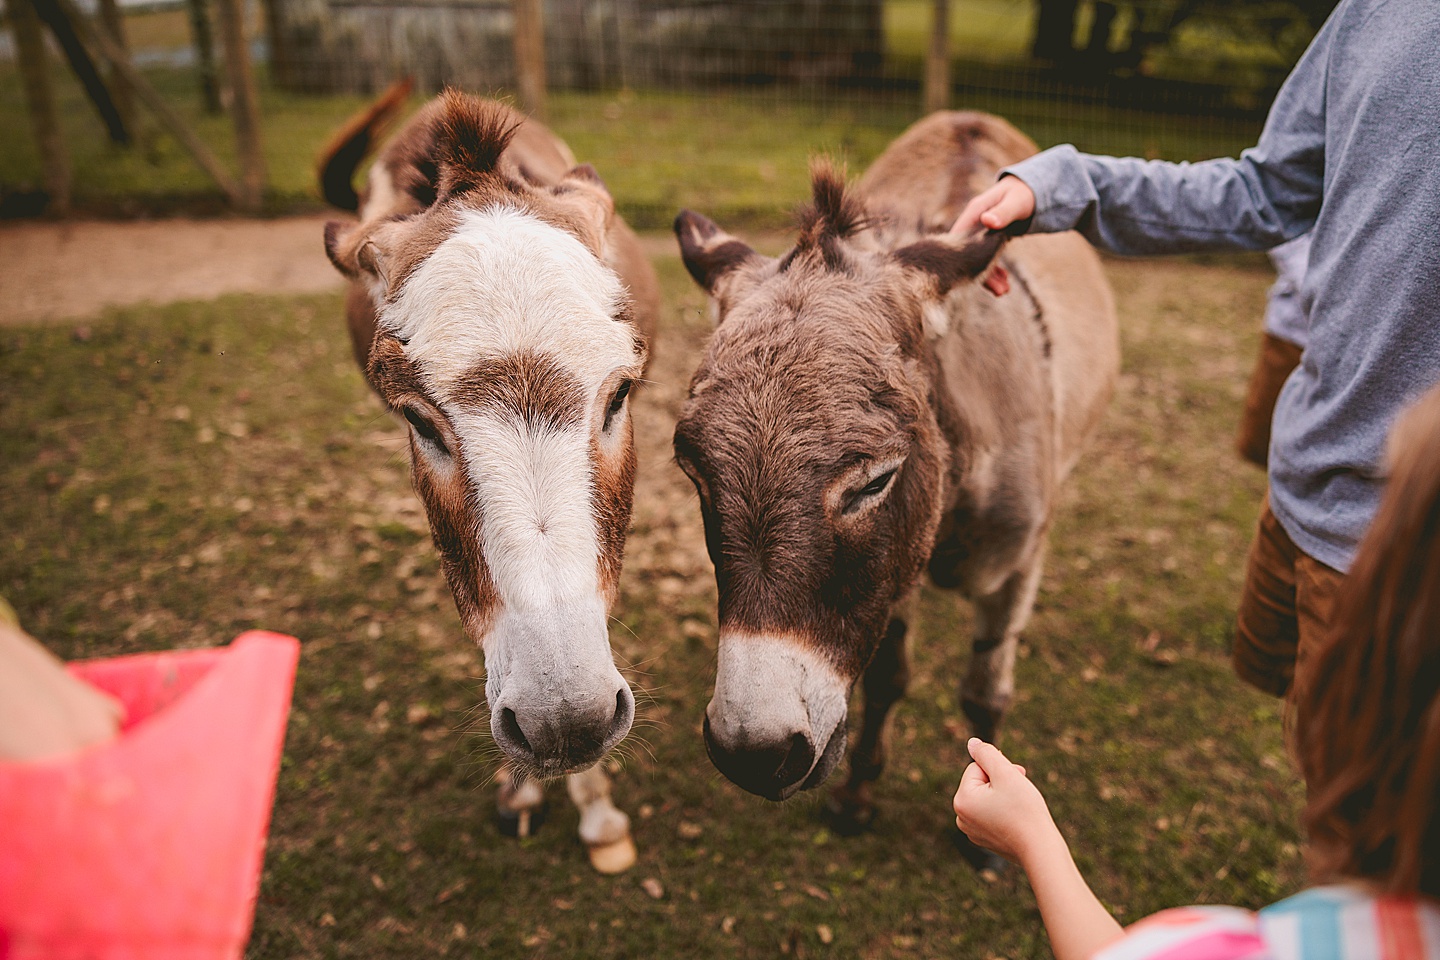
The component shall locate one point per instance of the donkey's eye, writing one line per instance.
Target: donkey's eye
(877, 486)
(617, 401)
(874, 488)
(424, 427)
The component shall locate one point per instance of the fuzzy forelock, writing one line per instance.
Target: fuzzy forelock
(471, 136)
(833, 213)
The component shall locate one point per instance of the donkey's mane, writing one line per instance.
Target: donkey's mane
(833, 214)
(470, 136)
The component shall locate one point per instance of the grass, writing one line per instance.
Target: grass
(739, 157)
(987, 31)
(172, 475)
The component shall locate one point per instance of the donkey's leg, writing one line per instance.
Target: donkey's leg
(884, 683)
(604, 828)
(519, 803)
(989, 685)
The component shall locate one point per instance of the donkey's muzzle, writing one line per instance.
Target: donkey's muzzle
(557, 739)
(774, 769)
(778, 706)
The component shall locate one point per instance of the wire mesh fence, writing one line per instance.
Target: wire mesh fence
(359, 45)
(1167, 57)
(1180, 79)
(1166, 54)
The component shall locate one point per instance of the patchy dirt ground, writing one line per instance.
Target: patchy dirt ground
(68, 269)
(60, 270)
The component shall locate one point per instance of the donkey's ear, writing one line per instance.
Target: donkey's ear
(581, 194)
(586, 173)
(373, 261)
(941, 263)
(710, 254)
(354, 253)
(337, 247)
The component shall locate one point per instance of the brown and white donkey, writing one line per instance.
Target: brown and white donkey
(865, 410)
(501, 308)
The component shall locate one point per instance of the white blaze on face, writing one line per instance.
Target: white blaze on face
(538, 528)
(507, 284)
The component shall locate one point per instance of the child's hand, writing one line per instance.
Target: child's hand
(999, 808)
(1009, 201)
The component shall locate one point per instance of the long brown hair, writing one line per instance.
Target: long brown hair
(1368, 722)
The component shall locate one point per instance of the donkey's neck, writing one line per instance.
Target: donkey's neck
(990, 394)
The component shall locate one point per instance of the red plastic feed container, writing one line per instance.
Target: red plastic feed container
(150, 846)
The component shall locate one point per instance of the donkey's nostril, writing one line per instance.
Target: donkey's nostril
(624, 713)
(798, 761)
(510, 728)
(772, 771)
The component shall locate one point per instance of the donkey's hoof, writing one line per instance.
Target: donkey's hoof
(849, 814)
(985, 717)
(616, 856)
(521, 822)
(990, 865)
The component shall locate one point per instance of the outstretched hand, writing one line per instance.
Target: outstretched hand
(1009, 201)
(998, 807)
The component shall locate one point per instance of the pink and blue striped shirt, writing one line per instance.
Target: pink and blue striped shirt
(1341, 922)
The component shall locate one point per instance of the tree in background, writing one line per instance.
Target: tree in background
(1121, 34)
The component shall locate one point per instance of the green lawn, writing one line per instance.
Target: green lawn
(989, 31)
(740, 156)
(170, 476)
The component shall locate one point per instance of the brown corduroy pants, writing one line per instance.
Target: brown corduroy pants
(1273, 364)
(1286, 608)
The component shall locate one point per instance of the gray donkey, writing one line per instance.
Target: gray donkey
(865, 410)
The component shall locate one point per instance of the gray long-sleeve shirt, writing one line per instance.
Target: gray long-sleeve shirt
(1352, 149)
(1285, 315)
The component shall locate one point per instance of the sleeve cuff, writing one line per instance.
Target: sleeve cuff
(1058, 179)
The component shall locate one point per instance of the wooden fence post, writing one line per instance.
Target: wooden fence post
(937, 62)
(99, 42)
(40, 99)
(120, 91)
(204, 54)
(278, 39)
(82, 63)
(245, 105)
(530, 56)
